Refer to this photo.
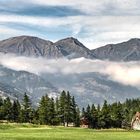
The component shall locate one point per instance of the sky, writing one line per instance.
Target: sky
(93, 22)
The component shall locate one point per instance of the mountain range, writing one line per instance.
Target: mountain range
(70, 48)
(86, 87)
(33, 46)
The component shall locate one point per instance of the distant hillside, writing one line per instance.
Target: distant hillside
(125, 51)
(92, 87)
(15, 83)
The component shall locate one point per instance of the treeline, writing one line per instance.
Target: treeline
(116, 115)
(65, 111)
(59, 111)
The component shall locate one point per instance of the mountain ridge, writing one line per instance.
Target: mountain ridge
(70, 48)
(124, 51)
(34, 46)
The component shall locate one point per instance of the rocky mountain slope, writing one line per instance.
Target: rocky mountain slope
(93, 87)
(125, 51)
(16, 83)
(30, 46)
(70, 48)
(35, 47)
(86, 87)
(73, 48)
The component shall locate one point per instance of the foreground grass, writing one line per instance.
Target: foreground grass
(34, 132)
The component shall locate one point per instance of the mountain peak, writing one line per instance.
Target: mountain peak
(125, 51)
(134, 39)
(72, 40)
(24, 37)
(33, 46)
(74, 48)
(26, 46)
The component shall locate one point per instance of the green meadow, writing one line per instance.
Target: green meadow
(34, 132)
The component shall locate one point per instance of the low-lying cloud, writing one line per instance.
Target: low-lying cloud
(127, 73)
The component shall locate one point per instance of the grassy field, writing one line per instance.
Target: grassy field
(33, 132)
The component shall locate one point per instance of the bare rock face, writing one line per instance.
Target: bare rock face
(30, 46)
(24, 45)
(35, 47)
(70, 48)
(73, 48)
(125, 51)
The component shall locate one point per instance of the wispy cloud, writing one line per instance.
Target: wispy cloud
(96, 7)
(42, 11)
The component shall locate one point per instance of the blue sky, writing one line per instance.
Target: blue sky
(93, 22)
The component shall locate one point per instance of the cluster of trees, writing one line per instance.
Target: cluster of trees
(61, 111)
(64, 110)
(116, 115)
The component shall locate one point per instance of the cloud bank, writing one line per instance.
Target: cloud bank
(127, 73)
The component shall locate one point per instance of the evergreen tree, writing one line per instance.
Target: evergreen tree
(51, 112)
(42, 111)
(77, 120)
(75, 112)
(83, 112)
(35, 119)
(94, 116)
(62, 109)
(116, 115)
(1, 101)
(26, 109)
(58, 116)
(7, 108)
(1, 109)
(15, 111)
(68, 109)
(88, 115)
(57, 106)
(105, 116)
(126, 124)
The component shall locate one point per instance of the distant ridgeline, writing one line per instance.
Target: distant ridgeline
(65, 111)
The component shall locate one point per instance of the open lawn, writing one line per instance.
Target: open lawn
(33, 132)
